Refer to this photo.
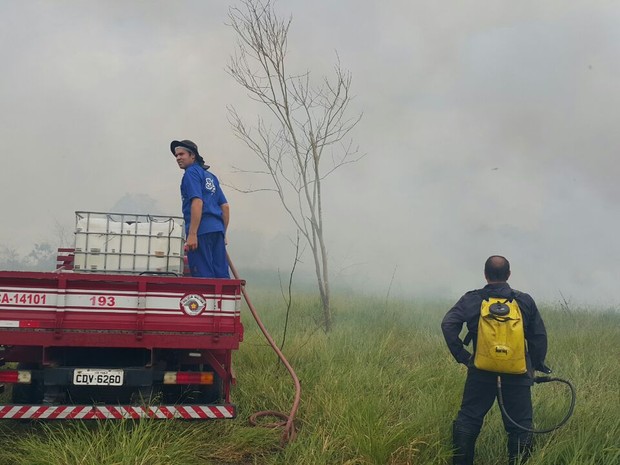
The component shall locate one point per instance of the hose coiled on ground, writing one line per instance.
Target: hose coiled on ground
(288, 421)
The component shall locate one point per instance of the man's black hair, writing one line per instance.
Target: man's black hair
(497, 268)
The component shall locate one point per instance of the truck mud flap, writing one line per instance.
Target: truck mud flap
(117, 412)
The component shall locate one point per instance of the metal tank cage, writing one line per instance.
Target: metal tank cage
(108, 242)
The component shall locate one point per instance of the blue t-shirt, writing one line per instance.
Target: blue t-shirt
(199, 183)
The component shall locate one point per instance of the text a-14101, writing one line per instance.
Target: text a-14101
(23, 298)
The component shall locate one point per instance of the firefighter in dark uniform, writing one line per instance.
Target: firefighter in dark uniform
(480, 386)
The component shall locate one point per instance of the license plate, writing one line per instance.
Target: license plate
(90, 377)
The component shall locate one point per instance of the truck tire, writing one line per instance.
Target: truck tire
(212, 393)
(22, 394)
(147, 395)
(27, 393)
(194, 393)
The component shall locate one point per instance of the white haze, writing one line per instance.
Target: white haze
(489, 127)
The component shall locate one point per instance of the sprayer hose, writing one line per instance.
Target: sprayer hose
(288, 423)
(539, 379)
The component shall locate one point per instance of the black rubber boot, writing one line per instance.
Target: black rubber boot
(464, 443)
(520, 447)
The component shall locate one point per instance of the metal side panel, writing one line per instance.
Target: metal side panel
(75, 301)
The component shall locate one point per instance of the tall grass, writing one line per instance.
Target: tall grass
(381, 388)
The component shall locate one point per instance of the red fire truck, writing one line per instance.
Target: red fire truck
(117, 331)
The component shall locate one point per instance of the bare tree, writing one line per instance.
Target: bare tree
(302, 140)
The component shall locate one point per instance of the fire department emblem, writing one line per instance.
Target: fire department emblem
(193, 304)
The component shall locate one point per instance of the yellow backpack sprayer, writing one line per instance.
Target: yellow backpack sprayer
(500, 348)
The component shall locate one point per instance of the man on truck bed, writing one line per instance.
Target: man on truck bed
(206, 213)
(480, 387)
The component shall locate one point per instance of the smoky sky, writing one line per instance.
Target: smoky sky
(488, 128)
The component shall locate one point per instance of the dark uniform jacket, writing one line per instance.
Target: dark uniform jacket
(467, 310)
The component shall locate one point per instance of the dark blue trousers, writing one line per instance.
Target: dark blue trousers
(209, 259)
(479, 396)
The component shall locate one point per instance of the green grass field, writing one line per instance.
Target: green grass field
(381, 388)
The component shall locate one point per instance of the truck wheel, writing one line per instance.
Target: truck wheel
(27, 393)
(212, 393)
(195, 393)
(22, 394)
(147, 395)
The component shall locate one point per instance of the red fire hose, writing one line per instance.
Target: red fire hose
(287, 422)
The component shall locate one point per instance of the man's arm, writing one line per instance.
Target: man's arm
(536, 338)
(226, 218)
(195, 217)
(225, 215)
(451, 327)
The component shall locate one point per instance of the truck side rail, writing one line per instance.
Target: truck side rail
(72, 309)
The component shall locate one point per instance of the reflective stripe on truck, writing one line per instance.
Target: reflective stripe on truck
(117, 412)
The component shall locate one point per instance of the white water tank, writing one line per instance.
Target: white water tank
(128, 243)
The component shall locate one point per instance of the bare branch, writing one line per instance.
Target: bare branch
(302, 121)
(248, 191)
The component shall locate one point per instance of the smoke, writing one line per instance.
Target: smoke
(488, 129)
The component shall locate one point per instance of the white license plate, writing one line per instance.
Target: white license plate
(90, 377)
